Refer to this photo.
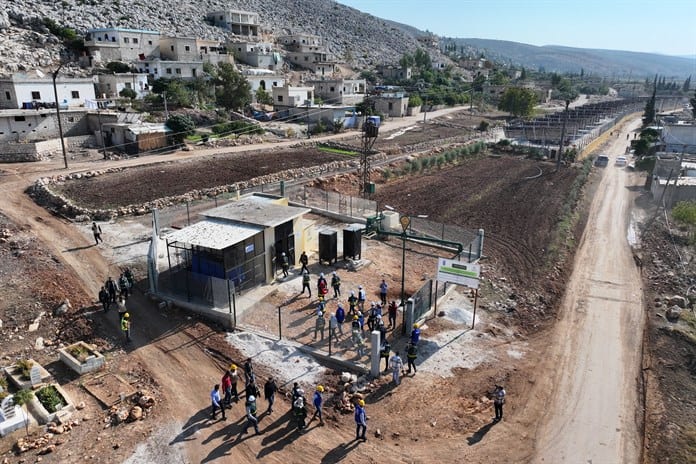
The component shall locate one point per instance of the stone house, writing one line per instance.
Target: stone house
(289, 97)
(394, 105)
(395, 72)
(158, 68)
(674, 179)
(340, 91)
(263, 79)
(135, 138)
(118, 44)
(309, 52)
(244, 23)
(111, 85)
(679, 138)
(191, 49)
(25, 91)
(257, 54)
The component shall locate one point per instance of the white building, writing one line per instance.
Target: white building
(192, 49)
(340, 91)
(25, 91)
(111, 85)
(118, 44)
(287, 96)
(171, 69)
(263, 79)
(257, 54)
(238, 22)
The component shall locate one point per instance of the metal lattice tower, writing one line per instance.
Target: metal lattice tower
(369, 136)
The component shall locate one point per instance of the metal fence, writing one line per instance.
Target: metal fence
(470, 240)
(333, 202)
(422, 300)
(198, 288)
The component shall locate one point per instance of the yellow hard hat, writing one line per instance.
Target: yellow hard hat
(233, 367)
(415, 326)
(320, 388)
(355, 318)
(361, 402)
(126, 316)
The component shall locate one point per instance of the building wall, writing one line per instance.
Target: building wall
(74, 92)
(171, 69)
(286, 96)
(111, 85)
(238, 22)
(178, 49)
(393, 107)
(30, 126)
(118, 44)
(679, 138)
(267, 82)
(38, 151)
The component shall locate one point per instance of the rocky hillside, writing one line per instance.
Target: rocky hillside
(352, 36)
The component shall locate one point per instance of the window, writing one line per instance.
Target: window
(135, 40)
(70, 119)
(193, 72)
(187, 48)
(171, 47)
(149, 42)
(7, 95)
(178, 70)
(169, 70)
(128, 85)
(126, 40)
(19, 118)
(36, 95)
(391, 106)
(280, 98)
(108, 86)
(75, 94)
(113, 39)
(332, 89)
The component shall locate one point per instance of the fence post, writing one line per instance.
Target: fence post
(374, 353)
(280, 325)
(351, 205)
(408, 315)
(480, 250)
(327, 200)
(188, 213)
(435, 305)
(304, 191)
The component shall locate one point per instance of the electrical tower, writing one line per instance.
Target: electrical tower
(369, 136)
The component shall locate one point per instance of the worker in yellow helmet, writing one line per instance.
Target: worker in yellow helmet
(360, 421)
(318, 403)
(125, 326)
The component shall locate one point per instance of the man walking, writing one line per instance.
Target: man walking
(392, 309)
(123, 285)
(96, 231)
(126, 326)
(360, 421)
(340, 318)
(336, 284)
(318, 403)
(234, 378)
(251, 415)
(112, 289)
(498, 402)
(333, 327)
(269, 390)
(319, 325)
(304, 260)
(411, 355)
(284, 263)
(249, 372)
(215, 401)
(384, 352)
(383, 292)
(352, 303)
(397, 366)
(415, 334)
(104, 299)
(361, 298)
(305, 284)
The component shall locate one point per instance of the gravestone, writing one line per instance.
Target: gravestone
(7, 409)
(35, 375)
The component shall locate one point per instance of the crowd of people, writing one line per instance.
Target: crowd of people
(116, 292)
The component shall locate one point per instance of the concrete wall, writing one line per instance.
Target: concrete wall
(41, 90)
(38, 151)
(32, 126)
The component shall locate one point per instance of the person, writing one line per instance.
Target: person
(269, 390)
(372, 317)
(104, 299)
(360, 421)
(126, 326)
(234, 378)
(322, 286)
(392, 314)
(123, 285)
(415, 334)
(249, 372)
(498, 402)
(352, 303)
(112, 288)
(251, 389)
(226, 385)
(305, 284)
(382, 328)
(96, 231)
(336, 284)
(296, 391)
(411, 355)
(383, 291)
(304, 260)
(397, 366)
(384, 352)
(355, 325)
(129, 275)
(284, 263)
(318, 403)
(361, 321)
(361, 298)
(319, 325)
(299, 410)
(333, 327)
(215, 400)
(340, 318)
(251, 415)
(121, 307)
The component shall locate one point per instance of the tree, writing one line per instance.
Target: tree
(518, 101)
(422, 59)
(523, 74)
(182, 126)
(685, 212)
(686, 85)
(21, 398)
(406, 60)
(414, 101)
(117, 67)
(649, 113)
(693, 105)
(232, 90)
(263, 97)
(128, 93)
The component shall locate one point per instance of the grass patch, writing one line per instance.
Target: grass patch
(338, 151)
(50, 398)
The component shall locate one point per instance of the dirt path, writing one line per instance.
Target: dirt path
(594, 413)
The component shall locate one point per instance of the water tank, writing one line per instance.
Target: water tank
(390, 223)
(352, 241)
(328, 246)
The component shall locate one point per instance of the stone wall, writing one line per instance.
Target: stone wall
(39, 151)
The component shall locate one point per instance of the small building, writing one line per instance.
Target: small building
(263, 79)
(118, 44)
(395, 73)
(41, 124)
(340, 91)
(392, 104)
(190, 49)
(30, 92)
(257, 54)
(158, 68)
(679, 138)
(238, 22)
(673, 179)
(309, 52)
(135, 139)
(289, 97)
(110, 85)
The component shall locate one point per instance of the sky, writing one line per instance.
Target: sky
(653, 26)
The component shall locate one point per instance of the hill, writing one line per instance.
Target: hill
(592, 61)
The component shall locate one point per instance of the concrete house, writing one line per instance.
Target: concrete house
(396, 73)
(679, 138)
(244, 23)
(309, 52)
(289, 97)
(263, 79)
(257, 54)
(158, 68)
(190, 49)
(674, 178)
(111, 85)
(135, 138)
(32, 91)
(392, 104)
(340, 91)
(118, 44)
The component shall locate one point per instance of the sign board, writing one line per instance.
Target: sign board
(458, 272)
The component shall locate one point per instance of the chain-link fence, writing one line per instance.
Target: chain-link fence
(333, 202)
(198, 288)
(470, 240)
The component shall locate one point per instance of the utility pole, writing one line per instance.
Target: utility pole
(563, 129)
(166, 113)
(60, 123)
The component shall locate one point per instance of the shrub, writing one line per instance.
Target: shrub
(440, 161)
(24, 366)
(425, 162)
(182, 126)
(483, 126)
(387, 174)
(237, 127)
(50, 398)
(415, 165)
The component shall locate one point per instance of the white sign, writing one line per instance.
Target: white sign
(458, 272)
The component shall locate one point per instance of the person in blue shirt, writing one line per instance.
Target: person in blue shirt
(383, 291)
(340, 318)
(415, 334)
(360, 421)
(215, 400)
(318, 402)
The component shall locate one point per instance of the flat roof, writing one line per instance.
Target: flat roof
(256, 211)
(122, 29)
(214, 234)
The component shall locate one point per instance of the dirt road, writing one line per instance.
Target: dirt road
(594, 414)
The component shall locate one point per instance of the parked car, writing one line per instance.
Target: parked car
(601, 160)
(621, 161)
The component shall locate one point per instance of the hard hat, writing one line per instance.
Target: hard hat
(415, 326)
(282, 253)
(352, 292)
(321, 274)
(320, 314)
(320, 388)
(361, 402)
(334, 272)
(251, 398)
(233, 367)
(360, 287)
(300, 391)
(355, 318)
(126, 316)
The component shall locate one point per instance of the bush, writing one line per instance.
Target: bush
(24, 366)
(415, 165)
(182, 126)
(483, 126)
(440, 161)
(50, 398)
(237, 127)
(386, 174)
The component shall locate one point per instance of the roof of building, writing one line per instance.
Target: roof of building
(214, 234)
(256, 211)
(121, 29)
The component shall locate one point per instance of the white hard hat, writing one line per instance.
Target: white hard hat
(320, 314)
(252, 398)
(321, 275)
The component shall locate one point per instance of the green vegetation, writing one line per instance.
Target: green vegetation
(128, 93)
(518, 101)
(649, 113)
(263, 97)
(232, 90)
(684, 213)
(237, 128)
(338, 151)
(117, 67)
(182, 126)
(21, 399)
(79, 352)
(50, 398)
(24, 366)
